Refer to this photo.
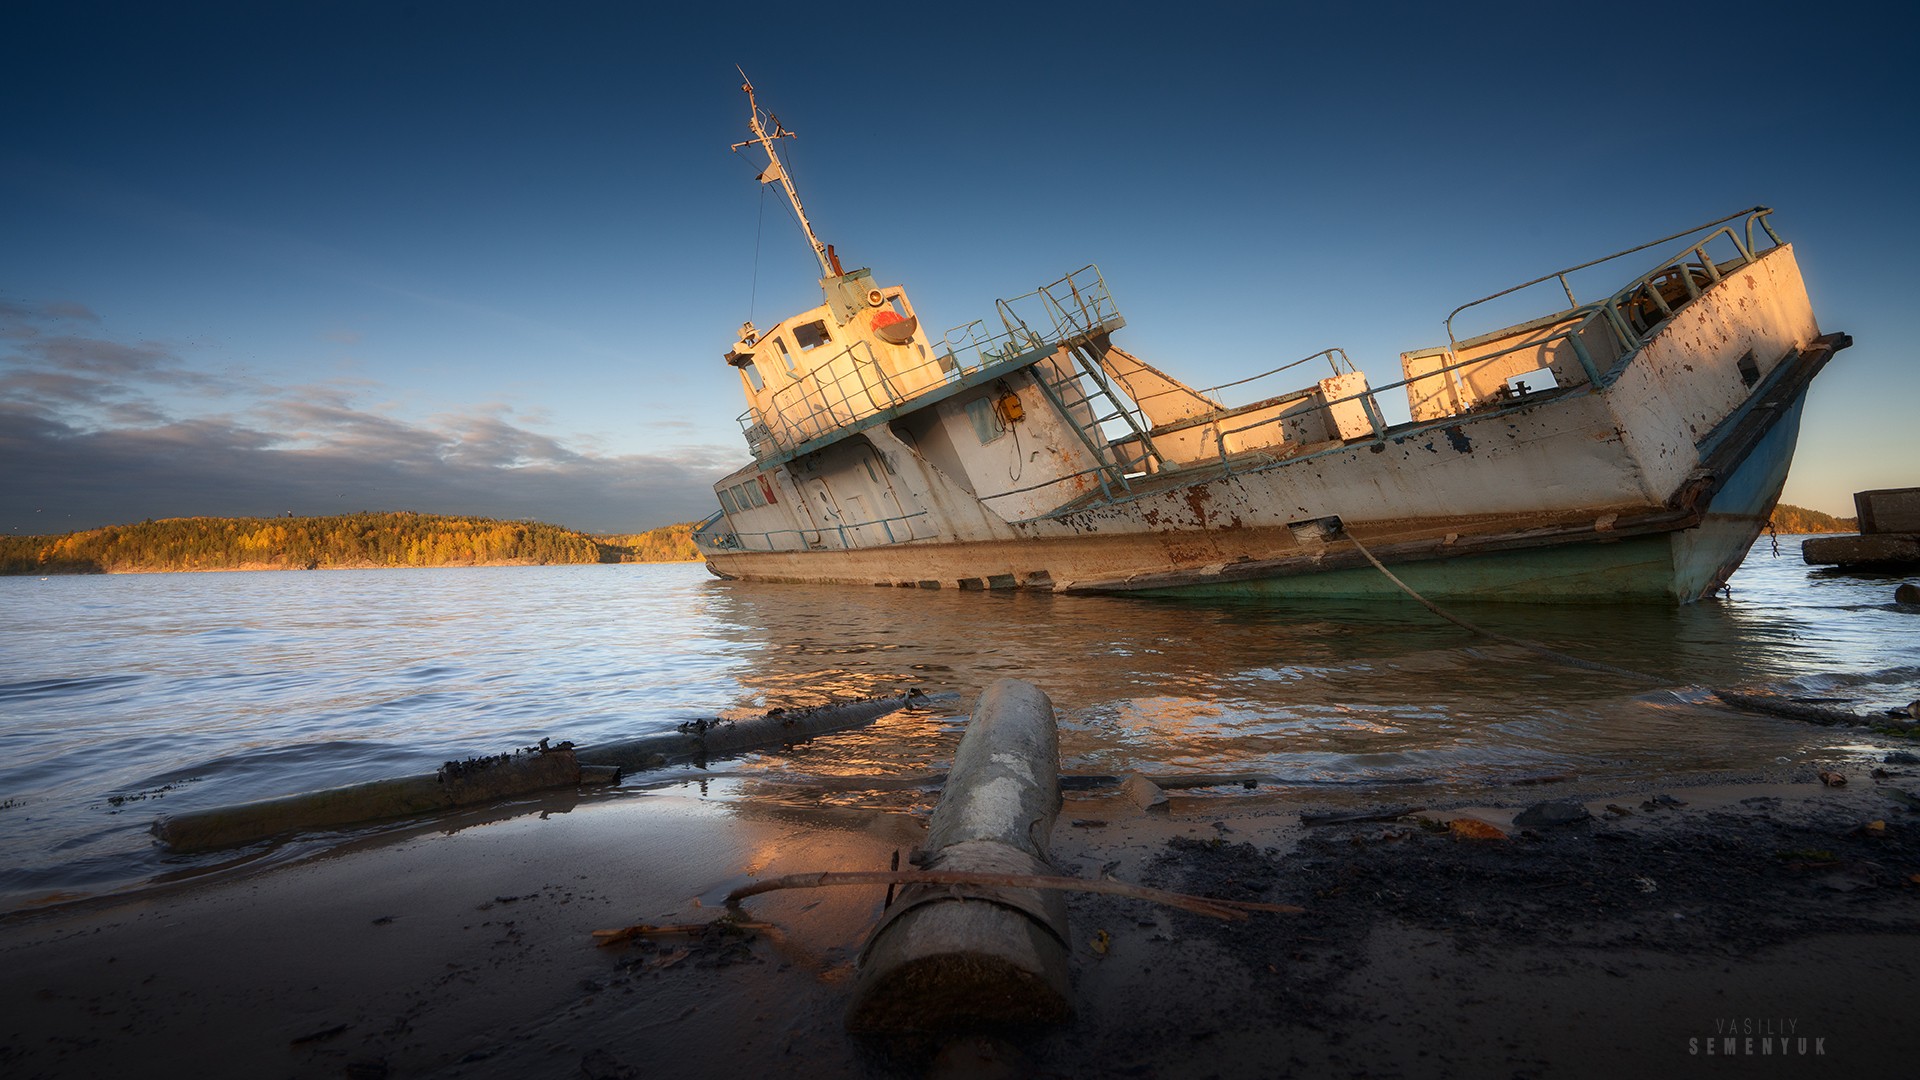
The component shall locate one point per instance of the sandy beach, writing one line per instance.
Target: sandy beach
(1764, 912)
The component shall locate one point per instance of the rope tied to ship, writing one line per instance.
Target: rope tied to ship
(1752, 703)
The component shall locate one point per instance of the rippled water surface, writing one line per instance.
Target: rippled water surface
(126, 696)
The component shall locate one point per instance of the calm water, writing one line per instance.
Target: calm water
(126, 696)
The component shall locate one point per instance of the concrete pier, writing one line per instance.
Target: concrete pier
(1889, 537)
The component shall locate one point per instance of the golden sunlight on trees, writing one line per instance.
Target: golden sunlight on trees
(672, 543)
(340, 542)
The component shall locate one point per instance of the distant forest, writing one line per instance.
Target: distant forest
(340, 542)
(1796, 520)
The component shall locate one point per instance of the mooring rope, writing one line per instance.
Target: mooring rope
(1531, 646)
(1744, 702)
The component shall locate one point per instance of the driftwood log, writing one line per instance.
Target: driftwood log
(455, 784)
(698, 740)
(486, 779)
(944, 958)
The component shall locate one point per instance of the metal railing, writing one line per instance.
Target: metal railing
(854, 385)
(1336, 358)
(1074, 307)
(1629, 315)
(1756, 215)
(739, 541)
(700, 530)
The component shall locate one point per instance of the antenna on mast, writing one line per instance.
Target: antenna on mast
(776, 171)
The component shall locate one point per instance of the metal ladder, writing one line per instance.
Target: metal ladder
(1075, 326)
(1087, 385)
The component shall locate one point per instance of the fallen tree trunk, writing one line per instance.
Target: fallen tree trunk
(455, 784)
(698, 740)
(961, 955)
(484, 779)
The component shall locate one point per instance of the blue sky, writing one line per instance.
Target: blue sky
(484, 258)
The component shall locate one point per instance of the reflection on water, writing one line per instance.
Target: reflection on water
(125, 696)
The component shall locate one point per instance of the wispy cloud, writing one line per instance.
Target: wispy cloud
(88, 441)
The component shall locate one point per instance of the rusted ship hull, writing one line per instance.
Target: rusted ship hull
(1673, 553)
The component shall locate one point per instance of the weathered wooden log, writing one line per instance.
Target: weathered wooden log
(702, 739)
(484, 779)
(1774, 706)
(947, 958)
(455, 784)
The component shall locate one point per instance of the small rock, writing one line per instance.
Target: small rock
(1901, 757)
(1144, 794)
(1832, 779)
(1907, 593)
(1552, 813)
(1472, 828)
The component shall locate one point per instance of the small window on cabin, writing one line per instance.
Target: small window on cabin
(726, 501)
(785, 356)
(1532, 382)
(986, 420)
(810, 336)
(753, 376)
(899, 306)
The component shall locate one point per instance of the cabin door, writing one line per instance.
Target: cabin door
(826, 512)
(897, 515)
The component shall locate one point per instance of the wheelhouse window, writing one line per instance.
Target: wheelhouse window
(753, 376)
(785, 356)
(810, 336)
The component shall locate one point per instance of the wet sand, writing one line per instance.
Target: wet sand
(1624, 945)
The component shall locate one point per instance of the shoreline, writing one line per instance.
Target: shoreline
(252, 568)
(462, 946)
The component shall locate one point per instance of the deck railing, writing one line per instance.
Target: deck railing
(805, 539)
(1336, 358)
(853, 384)
(1074, 307)
(1628, 316)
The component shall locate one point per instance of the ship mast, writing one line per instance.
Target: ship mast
(776, 171)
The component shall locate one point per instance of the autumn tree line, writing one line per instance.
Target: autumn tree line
(342, 541)
(1799, 521)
